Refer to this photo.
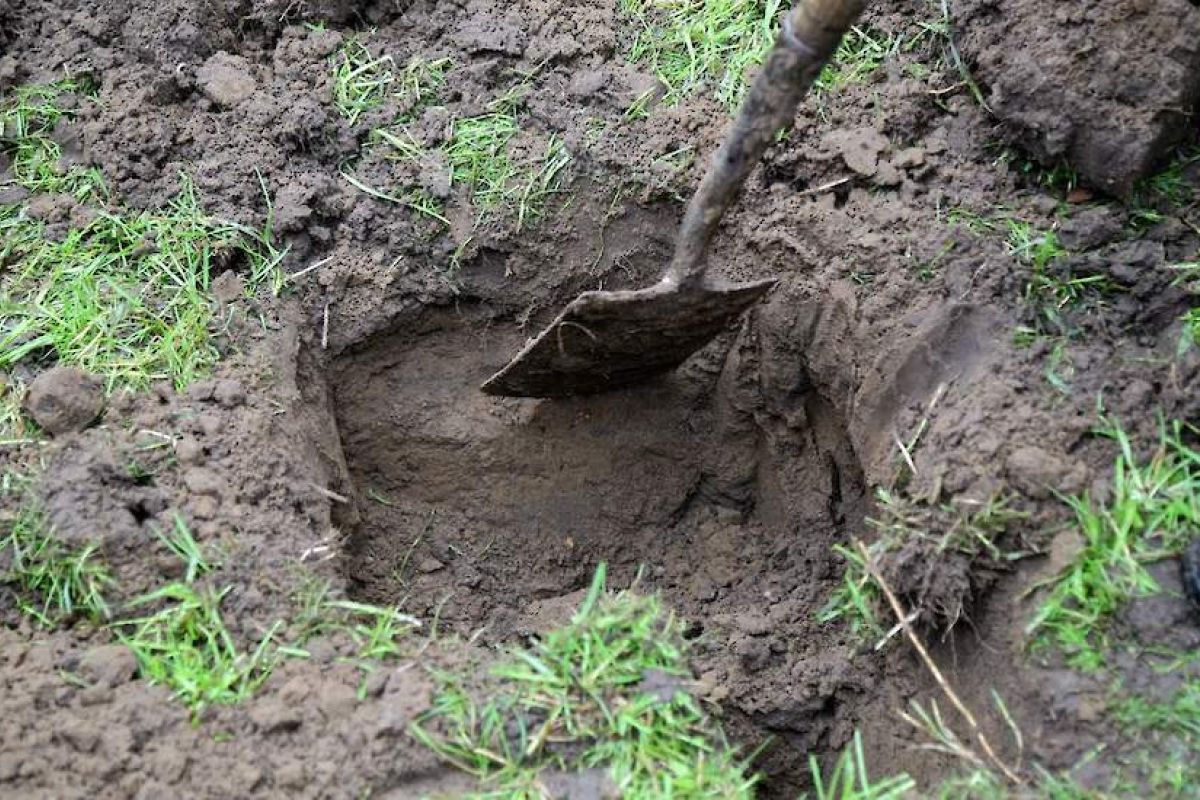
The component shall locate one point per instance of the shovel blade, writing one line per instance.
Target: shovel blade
(608, 340)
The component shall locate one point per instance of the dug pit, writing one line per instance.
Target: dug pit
(725, 484)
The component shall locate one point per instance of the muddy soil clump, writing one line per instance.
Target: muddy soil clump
(1106, 88)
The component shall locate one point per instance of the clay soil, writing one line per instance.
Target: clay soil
(343, 436)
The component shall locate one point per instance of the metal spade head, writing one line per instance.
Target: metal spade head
(608, 340)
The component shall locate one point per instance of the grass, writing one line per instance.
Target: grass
(1060, 178)
(1050, 288)
(186, 646)
(970, 530)
(859, 55)
(1168, 729)
(361, 80)
(542, 181)
(605, 691)
(28, 117)
(1166, 191)
(15, 428)
(421, 82)
(691, 44)
(858, 599)
(478, 153)
(1153, 511)
(849, 780)
(124, 295)
(181, 542)
(378, 633)
(1189, 278)
(54, 582)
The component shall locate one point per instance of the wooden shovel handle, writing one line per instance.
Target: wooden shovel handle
(810, 33)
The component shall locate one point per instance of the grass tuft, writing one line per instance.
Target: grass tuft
(689, 44)
(124, 295)
(849, 780)
(1050, 287)
(54, 582)
(1189, 279)
(606, 691)
(421, 82)
(181, 542)
(377, 632)
(859, 55)
(361, 80)
(915, 538)
(1165, 192)
(1153, 511)
(186, 646)
(27, 121)
(477, 153)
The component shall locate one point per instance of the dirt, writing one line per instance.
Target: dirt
(1106, 86)
(343, 437)
(64, 400)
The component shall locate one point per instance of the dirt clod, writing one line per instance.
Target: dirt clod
(108, 665)
(226, 79)
(860, 149)
(1106, 85)
(64, 400)
(230, 393)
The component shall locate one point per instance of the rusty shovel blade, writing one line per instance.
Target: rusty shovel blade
(608, 340)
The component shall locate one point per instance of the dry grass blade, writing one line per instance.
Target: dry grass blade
(947, 690)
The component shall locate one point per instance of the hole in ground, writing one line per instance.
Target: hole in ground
(727, 481)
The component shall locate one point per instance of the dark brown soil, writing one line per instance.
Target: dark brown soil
(344, 435)
(1105, 86)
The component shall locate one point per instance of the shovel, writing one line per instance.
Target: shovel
(608, 340)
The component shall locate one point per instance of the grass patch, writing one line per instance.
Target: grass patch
(849, 780)
(124, 295)
(421, 82)
(376, 632)
(859, 55)
(186, 646)
(1060, 178)
(1168, 730)
(361, 80)
(15, 428)
(605, 691)
(1164, 192)
(691, 44)
(477, 153)
(181, 542)
(28, 117)
(1189, 279)
(1153, 511)
(1050, 289)
(715, 44)
(54, 582)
